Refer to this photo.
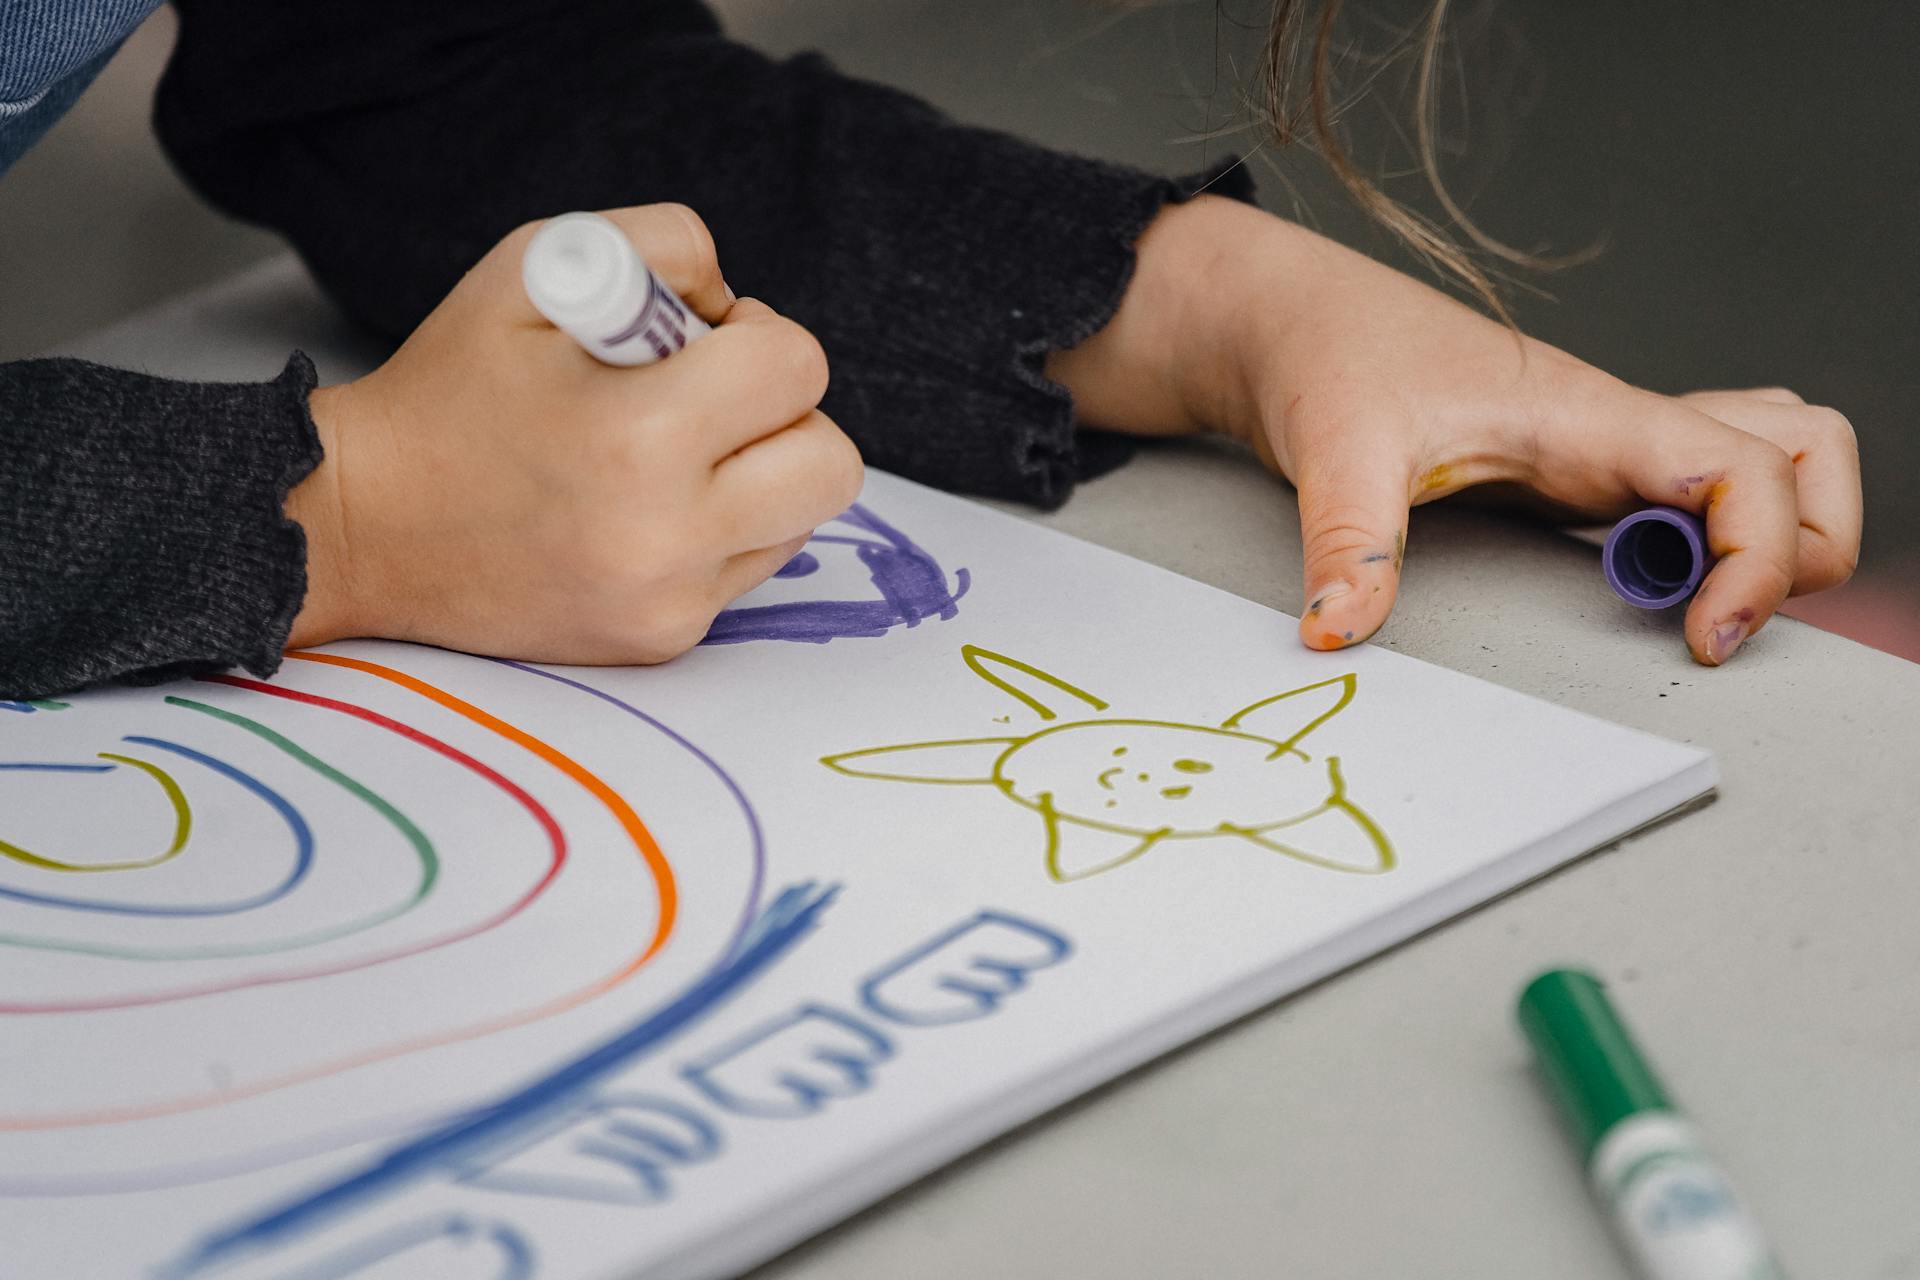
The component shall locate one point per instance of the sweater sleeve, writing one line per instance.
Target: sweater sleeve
(141, 527)
(937, 263)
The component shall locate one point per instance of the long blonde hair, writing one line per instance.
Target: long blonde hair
(1297, 100)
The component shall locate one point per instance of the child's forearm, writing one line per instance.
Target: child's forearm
(937, 263)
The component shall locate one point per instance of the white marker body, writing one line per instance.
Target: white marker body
(582, 273)
(1675, 1211)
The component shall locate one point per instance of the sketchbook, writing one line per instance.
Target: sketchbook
(408, 963)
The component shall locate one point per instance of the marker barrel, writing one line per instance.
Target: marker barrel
(582, 273)
(1674, 1211)
(1657, 557)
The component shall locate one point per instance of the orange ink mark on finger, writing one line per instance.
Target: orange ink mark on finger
(1798, 456)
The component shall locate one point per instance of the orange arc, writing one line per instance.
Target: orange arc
(606, 795)
(629, 820)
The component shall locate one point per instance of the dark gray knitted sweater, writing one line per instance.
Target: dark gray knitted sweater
(141, 533)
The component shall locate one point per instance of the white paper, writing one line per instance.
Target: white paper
(456, 963)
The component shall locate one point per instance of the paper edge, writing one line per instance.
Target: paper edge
(933, 1146)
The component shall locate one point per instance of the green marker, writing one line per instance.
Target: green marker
(1675, 1211)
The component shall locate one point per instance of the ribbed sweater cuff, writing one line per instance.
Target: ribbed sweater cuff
(146, 536)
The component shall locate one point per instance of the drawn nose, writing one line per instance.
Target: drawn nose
(1108, 773)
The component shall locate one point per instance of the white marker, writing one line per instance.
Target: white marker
(583, 274)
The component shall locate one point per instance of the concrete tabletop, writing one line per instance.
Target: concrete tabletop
(1385, 1123)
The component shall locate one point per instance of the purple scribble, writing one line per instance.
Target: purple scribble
(800, 566)
(909, 583)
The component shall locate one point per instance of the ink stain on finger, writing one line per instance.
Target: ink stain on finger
(1399, 549)
(1375, 558)
(1348, 636)
(1439, 477)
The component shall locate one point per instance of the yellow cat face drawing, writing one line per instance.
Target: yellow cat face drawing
(1146, 776)
(1108, 788)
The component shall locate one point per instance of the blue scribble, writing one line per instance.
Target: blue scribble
(790, 1067)
(792, 915)
(302, 855)
(910, 585)
(965, 972)
(515, 1254)
(638, 1134)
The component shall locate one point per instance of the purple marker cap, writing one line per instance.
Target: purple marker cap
(1655, 558)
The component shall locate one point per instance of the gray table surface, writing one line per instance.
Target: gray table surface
(1385, 1123)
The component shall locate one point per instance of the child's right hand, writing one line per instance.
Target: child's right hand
(493, 488)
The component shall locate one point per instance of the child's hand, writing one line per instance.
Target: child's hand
(493, 488)
(1372, 392)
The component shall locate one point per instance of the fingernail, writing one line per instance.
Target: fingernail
(1725, 639)
(731, 296)
(1331, 591)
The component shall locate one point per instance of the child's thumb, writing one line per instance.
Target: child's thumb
(1353, 522)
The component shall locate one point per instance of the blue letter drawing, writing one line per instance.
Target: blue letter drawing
(615, 1149)
(791, 1067)
(965, 972)
(502, 1253)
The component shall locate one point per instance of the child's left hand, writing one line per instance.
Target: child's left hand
(1372, 392)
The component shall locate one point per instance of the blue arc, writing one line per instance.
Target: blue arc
(302, 860)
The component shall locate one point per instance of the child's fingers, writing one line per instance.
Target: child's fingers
(787, 484)
(1354, 496)
(675, 242)
(747, 570)
(1826, 461)
(1746, 489)
(748, 379)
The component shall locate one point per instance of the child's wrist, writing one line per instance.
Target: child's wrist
(1240, 277)
(327, 611)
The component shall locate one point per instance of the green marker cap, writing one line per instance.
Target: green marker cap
(1590, 1062)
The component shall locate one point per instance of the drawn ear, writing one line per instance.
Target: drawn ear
(1288, 717)
(1043, 693)
(957, 762)
(1075, 852)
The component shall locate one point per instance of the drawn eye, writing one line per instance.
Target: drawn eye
(802, 564)
(1119, 751)
(1193, 766)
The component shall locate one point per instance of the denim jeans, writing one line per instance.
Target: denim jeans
(50, 51)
